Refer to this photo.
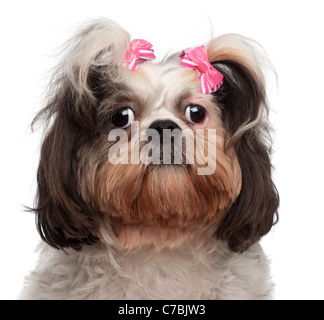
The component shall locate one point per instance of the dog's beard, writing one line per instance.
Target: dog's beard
(164, 203)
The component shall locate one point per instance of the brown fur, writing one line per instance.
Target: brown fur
(166, 196)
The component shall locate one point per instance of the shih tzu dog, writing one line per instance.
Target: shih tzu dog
(154, 179)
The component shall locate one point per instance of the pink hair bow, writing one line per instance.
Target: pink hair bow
(139, 51)
(210, 78)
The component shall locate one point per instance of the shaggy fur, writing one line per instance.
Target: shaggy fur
(142, 231)
(188, 272)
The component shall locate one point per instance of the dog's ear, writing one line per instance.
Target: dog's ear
(242, 99)
(66, 210)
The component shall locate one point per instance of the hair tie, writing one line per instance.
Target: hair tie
(210, 78)
(139, 51)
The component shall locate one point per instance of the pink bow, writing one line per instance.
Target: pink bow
(210, 78)
(139, 51)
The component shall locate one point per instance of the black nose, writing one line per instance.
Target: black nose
(159, 125)
(170, 146)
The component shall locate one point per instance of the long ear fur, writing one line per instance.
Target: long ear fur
(67, 215)
(243, 101)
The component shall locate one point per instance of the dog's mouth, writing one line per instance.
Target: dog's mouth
(169, 154)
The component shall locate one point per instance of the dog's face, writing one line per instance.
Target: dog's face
(85, 196)
(146, 200)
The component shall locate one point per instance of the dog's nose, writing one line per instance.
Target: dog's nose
(170, 146)
(159, 125)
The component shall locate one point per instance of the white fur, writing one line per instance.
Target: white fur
(191, 270)
(188, 272)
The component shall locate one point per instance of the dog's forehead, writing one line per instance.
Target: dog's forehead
(162, 84)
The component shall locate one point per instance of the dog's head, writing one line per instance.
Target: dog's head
(144, 154)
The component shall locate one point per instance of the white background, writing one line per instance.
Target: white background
(292, 34)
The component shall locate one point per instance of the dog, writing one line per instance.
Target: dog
(124, 212)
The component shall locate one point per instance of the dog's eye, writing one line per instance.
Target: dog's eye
(195, 114)
(123, 118)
